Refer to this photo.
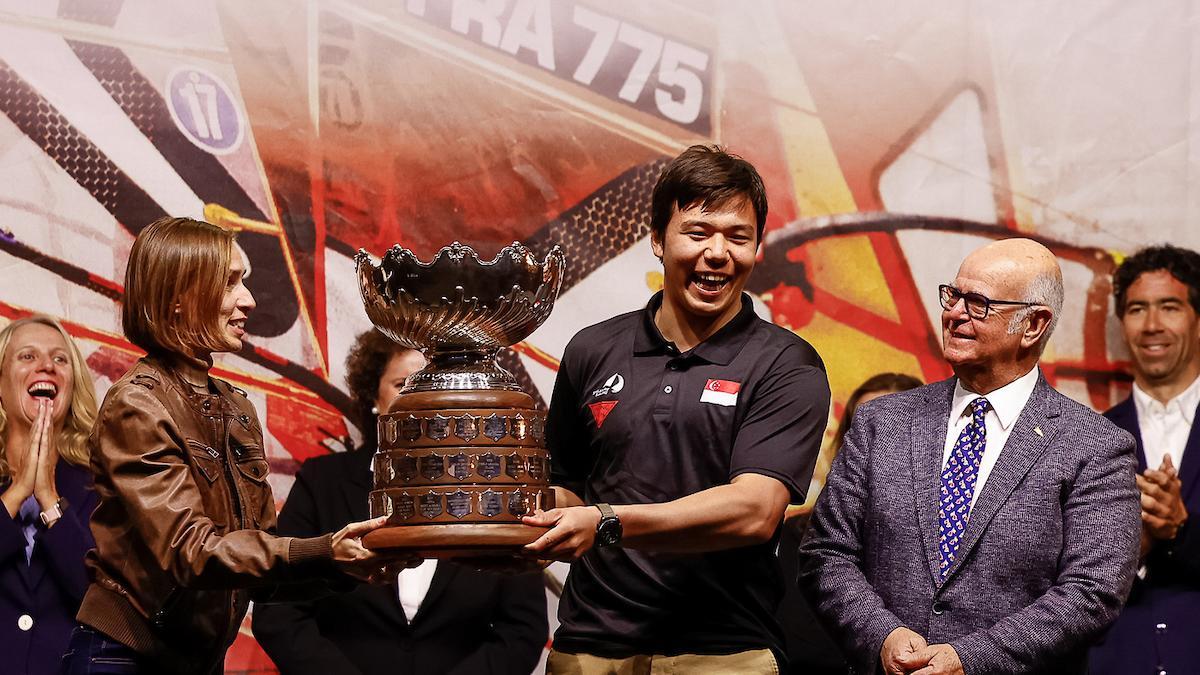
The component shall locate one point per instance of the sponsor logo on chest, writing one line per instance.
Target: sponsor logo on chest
(612, 385)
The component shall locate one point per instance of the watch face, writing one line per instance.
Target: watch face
(608, 533)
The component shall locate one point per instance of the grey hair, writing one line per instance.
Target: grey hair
(1046, 290)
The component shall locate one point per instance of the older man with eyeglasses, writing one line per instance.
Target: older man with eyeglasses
(985, 523)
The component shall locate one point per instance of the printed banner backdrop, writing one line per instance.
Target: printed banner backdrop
(893, 138)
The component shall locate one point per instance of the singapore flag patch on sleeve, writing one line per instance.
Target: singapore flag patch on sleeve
(721, 392)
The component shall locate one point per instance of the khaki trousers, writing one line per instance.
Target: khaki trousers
(753, 662)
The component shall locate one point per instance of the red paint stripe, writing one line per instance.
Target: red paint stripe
(107, 283)
(911, 309)
(320, 325)
(863, 320)
(526, 349)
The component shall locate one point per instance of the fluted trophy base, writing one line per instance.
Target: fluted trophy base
(456, 471)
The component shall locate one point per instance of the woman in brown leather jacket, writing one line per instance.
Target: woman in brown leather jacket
(185, 526)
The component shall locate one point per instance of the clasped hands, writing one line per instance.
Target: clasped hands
(36, 473)
(905, 652)
(1163, 511)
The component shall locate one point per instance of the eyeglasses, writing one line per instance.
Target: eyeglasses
(978, 305)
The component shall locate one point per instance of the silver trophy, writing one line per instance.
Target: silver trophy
(461, 454)
(459, 310)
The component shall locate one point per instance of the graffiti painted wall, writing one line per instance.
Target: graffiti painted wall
(893, 138)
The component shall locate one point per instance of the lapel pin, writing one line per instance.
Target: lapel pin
(1038, 431)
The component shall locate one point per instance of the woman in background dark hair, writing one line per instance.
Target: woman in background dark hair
(875, 386)
(811, 651)
(438, 617)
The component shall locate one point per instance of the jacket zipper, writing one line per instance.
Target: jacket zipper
(235, 494)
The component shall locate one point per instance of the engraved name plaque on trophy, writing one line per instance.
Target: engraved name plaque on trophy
(462, 451)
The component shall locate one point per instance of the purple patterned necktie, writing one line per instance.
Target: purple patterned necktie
(958, 484)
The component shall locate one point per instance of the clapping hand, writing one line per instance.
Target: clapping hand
(1163, 511)
(36, 475)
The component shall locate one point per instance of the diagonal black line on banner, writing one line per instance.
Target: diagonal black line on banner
(148, 111)
(78, 156)
(205, 175)
(604, 225)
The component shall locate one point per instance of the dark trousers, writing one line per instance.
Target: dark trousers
(91, 652)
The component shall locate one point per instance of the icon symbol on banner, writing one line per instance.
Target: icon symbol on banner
(204, 108)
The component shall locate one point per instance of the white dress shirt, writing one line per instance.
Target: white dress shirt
(1165, 428)
(1007, 402)
(412, 585)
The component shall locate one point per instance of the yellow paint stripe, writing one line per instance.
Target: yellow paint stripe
(817, 179)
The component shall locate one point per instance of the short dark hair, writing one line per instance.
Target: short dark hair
(708, 176)
(1181, 263)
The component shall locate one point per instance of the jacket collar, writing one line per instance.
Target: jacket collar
(180, 372)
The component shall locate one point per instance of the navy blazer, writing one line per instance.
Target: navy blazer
(1047, 558)
(470, 622)
(1159, 629)
(49, 588)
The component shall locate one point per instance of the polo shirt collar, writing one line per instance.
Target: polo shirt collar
(1007, 401)
(719, 348)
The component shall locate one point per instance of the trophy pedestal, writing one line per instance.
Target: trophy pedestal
(462, 455)
(454, 541)
(455, 472)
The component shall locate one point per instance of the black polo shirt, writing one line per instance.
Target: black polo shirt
(634, 421)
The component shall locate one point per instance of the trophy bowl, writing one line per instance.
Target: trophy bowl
(459, 310)
(461, 454)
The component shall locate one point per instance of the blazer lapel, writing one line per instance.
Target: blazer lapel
(442, 578)
(928, 446)
(1124, 415)
(1022, 449)
(1189, 465)
(361, 478)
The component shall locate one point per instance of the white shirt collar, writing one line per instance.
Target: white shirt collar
(1184, 404)
(1007, 401)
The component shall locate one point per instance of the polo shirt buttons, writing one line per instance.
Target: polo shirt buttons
(667, 389)
(25, 622)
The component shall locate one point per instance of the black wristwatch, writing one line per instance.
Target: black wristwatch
(608, 530)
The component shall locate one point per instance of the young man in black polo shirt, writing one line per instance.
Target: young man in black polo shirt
(679, 434)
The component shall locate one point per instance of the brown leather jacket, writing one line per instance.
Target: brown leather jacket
(186, 518)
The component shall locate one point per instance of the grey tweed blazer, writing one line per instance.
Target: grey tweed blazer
(1047, 559)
